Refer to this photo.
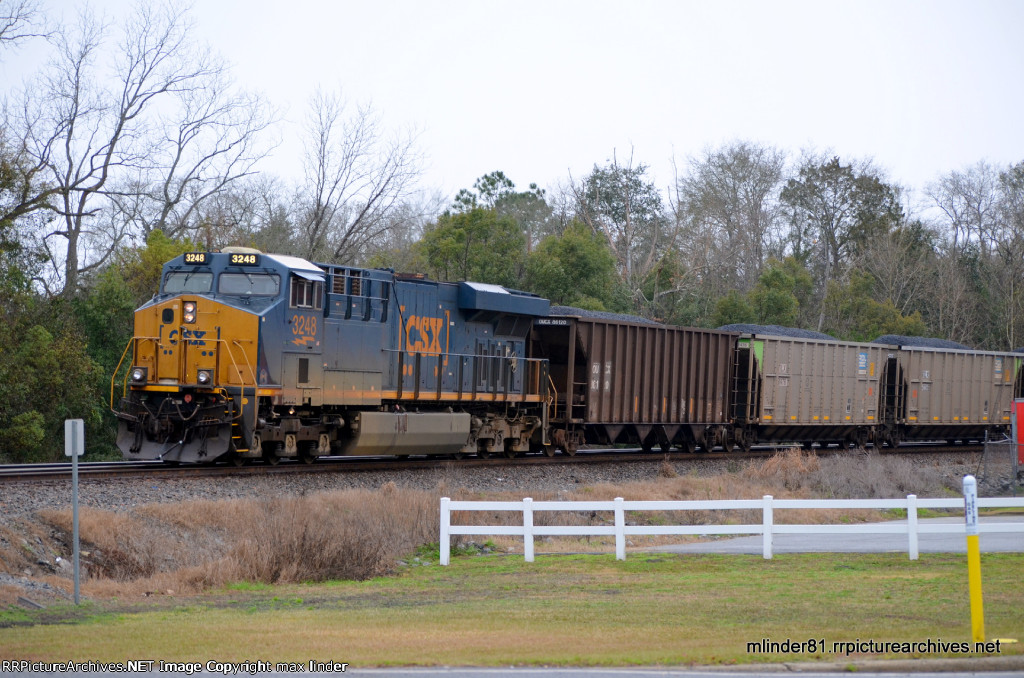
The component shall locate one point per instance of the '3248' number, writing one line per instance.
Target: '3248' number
(304, 328)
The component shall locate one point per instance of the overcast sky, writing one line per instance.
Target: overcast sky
(542, 89)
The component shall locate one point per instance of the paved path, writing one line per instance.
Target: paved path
(862, 543)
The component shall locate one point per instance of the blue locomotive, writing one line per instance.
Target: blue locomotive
(244, 355)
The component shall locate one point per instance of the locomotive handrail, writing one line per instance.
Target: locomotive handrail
(553, 398)
(113, 377)
(532, 377)
(241, 377)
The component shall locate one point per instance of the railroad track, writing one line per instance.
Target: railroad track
(113, 469)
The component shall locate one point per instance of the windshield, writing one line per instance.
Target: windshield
(196, 282)
(249, 284)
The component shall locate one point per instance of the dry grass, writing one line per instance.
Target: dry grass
(358, 534)
(191, 546)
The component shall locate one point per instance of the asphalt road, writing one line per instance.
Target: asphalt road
(863, 543)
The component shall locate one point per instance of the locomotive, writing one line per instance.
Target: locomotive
(245, 355)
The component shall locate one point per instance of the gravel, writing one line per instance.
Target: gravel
(21, 499)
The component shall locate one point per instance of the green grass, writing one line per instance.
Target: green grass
(559, 610)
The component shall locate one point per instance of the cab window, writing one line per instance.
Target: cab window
(196, 282)
(249, 284)
(307, 293)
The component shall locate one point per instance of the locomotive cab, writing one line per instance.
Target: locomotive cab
(197, 366)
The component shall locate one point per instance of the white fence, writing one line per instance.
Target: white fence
(768, 527)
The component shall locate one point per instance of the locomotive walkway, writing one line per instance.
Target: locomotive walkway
(863, 543)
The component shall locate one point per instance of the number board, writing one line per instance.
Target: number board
(196, 258)
(240, 259)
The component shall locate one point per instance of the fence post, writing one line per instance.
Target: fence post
(620, 530)
(912, 525)
(767, 526)
(528, 529)
(446, 522)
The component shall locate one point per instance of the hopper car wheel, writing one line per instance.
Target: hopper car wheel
(550, 451)
(308, 454)
(570, 450)
(237, 460)
(689, 446)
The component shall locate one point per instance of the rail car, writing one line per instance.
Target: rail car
(245, 355)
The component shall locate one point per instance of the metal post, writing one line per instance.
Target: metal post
(74, 504)
(973, 559)
(74, 446)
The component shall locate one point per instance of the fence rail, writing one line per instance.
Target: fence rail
(767, 527)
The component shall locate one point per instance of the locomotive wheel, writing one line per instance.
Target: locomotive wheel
(485, 448)
(308, 452)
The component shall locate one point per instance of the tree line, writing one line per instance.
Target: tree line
(132, 144)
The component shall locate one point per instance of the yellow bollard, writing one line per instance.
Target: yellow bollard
(973, 559)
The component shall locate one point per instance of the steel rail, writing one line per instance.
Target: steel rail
(111, 469)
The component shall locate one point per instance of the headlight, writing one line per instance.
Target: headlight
(189, 314)
(139, 374)
(204, 377)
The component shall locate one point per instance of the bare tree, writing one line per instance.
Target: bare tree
(727, 202)
(355, 178)
(20, 19)
(137, 151)
(902, 262)
(968, 199)
(208, 142)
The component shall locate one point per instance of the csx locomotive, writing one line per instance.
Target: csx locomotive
(244, 355)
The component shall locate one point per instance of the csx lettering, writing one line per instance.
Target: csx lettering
(427, 333)
(193, 337)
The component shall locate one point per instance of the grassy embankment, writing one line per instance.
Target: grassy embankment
(562, 609)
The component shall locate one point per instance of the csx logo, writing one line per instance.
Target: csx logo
(193, 337)
(423, 334)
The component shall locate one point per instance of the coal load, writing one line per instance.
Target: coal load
(919, 342)
(599, 315)
(777, 331)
